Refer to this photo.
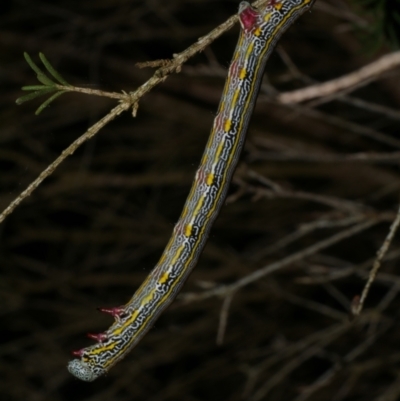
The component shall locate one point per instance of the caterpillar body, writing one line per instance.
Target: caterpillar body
(260, 31)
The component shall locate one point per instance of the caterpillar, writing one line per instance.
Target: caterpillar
(260, 31)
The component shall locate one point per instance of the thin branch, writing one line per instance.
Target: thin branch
(222, 290)
(328, 376)
(314, 306)
(362, 76)
(277, 191)
(338, 122)
(324, 222)
(223, 318)
(357, 308)
(93, 130)
(94, 92)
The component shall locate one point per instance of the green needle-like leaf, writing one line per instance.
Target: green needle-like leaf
(33, 95)
(34, 87)
(52, 71)
(33, 65)
(48, 101)
(45, 80)
(48, 86)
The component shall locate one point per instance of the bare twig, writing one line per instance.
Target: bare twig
(355, 128)
(277, 191)
(362, 76)
(295, 257)
(223, 318)
(327, 377)
(94, 92)
(377, 264)
(93, 130)
(324, 222)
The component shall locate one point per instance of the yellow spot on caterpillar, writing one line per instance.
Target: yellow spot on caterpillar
(278, 6)
(210, 179)
(243, 73)
(267, 17)
(227, 125)
(148, 298)
(188, 230)
(257, 32)
(164, 278)
(235, 97)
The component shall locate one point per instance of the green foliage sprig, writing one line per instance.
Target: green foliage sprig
(48, 84)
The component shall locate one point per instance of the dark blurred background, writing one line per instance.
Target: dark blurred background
(90, 233)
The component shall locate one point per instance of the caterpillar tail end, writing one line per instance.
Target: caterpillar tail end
(83, 371)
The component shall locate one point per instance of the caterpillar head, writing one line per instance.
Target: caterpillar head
(84, 371)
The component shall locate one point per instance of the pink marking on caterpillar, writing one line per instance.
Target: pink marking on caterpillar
(114, 312)
(79, 353)
(100, 337)
(247, 16)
